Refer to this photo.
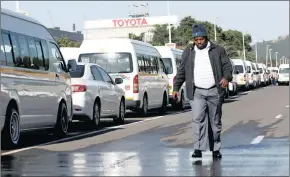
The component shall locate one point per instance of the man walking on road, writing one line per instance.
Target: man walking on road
(207, 70)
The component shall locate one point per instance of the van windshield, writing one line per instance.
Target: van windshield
(79, 72)
(111, 62)
(284, 70)
(239, 68)
(168, 65)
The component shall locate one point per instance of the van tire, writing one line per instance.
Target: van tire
(61, 127)
(120, 119)
(9, 141)
(163, 108)
(144, 109)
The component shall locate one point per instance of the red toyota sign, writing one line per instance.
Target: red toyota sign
(130, 22)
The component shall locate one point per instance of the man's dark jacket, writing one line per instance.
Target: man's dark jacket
(220, 62)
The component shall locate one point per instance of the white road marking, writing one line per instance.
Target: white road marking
(258, 139)
(77, 136)
(287, 106)
(278, 116)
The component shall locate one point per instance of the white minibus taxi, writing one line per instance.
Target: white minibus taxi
(172, 59)
(242, 76)
(139, 64)
(35, 83)
(283, 74)
(251, 72)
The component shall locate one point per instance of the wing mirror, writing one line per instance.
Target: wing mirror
(118, 80)
(237, 72)
(72, 65)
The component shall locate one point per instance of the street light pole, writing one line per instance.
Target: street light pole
(277, 59)
(244, 50)
(256, 52)
(169, 26)
(267, 51)
(270, 50)
(214, 23)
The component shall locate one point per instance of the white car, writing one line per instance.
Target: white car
(96, 95)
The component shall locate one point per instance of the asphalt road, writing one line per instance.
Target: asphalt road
(255, 141)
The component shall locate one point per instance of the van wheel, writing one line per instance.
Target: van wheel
(163, 108)
(120, 119)
(144, 109)
(61, 127)
(11, 131)
(96, 115)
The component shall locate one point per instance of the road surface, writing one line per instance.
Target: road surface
(255, 141)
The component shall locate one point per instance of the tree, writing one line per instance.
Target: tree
(161, 35)
(136, 37)
(65, 42)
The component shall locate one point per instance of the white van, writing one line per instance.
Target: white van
(283, 74)
(241, 73)
(172, 59)
(35, 83)
(257, 74)
(251, 73)
(263, 74)
(233, 85)
(140, 66)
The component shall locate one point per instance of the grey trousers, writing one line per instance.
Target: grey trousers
(207, 112)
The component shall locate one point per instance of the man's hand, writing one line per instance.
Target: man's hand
(175, 96)
(224, 83)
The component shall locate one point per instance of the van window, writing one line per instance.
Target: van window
(79, 72)
(178, 61)
(24, 52)
(162, 66)
(239, 68)
(3, 58)
(141, 64)
(16, 50)
(284, 70)
(7, 49)
(45, 54)
(253, 66)
(39, 55)
(33, 53)
(154, 64)
(168, 65)
(248, 69)
(55, 56)
(111, 62)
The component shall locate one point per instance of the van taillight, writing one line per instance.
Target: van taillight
(136, 84)
(79, 88)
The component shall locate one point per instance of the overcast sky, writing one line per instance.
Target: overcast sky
(263, 20)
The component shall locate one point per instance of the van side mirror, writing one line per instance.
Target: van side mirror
(237, 72)
(72, 65)
(118, 80)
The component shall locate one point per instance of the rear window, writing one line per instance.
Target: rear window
(79, 72)
(239, 68)
(111, 62)
(168, 65)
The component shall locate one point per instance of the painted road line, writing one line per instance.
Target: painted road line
(278, 116)
(78, 136)
(258, 139)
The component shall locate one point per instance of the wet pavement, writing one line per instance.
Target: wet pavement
(163, 146)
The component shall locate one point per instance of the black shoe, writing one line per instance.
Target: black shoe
(217, 154)
(197, 154)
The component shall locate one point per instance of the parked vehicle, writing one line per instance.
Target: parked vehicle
(96, 95)
(172, 59)
(283, 74)
(263, 74)
(233, 85)
(242, 76)
(138, 63)
(257, 74)
(35, 83)
(251, 73)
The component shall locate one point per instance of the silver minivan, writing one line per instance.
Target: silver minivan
(35, 81)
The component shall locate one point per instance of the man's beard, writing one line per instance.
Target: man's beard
(202, 46)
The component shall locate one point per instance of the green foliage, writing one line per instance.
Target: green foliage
(65, 42)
